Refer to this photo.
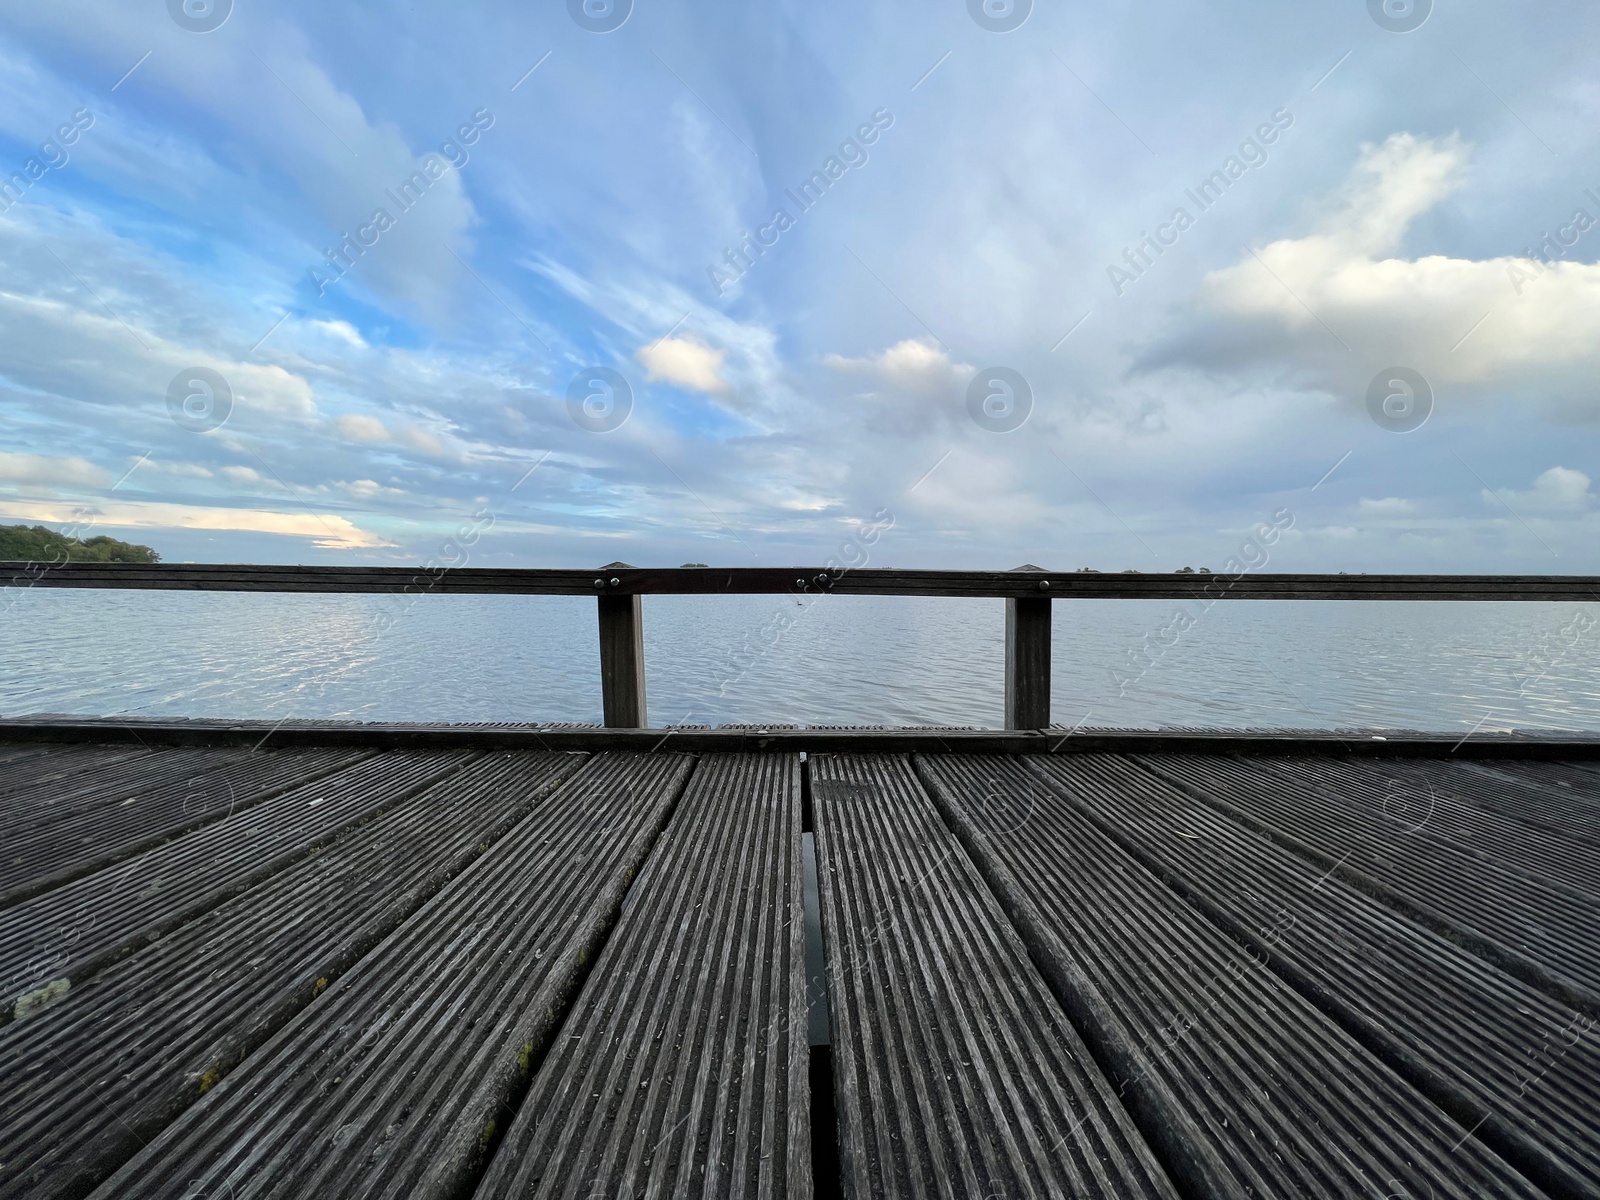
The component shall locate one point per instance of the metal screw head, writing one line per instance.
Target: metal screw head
(615, 581)
(799, 583)
(1044, 585)
(599, 583)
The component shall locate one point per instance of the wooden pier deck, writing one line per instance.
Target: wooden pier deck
(244, 960)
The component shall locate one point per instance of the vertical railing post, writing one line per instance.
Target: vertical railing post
(621, 658)
(1028, 659)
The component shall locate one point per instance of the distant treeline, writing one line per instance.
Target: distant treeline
(20, 543)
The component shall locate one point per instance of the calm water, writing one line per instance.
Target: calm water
(846, 660)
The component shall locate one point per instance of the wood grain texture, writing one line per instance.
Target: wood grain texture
(1502, 1058)
(157, 1030)
(1543, 933)
(16, 754)
(67, 766)
(1242, 1085)
(399, 1079)
(1226, 963)
(622, 662)
(57, 833)
(1421, 801)
(1027, 694)
(62, 936)
(957, 1072)
(681, 1069)
(1560, 797)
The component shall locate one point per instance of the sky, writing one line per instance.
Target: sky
(667, 281)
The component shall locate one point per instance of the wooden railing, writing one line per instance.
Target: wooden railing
(1028, 592)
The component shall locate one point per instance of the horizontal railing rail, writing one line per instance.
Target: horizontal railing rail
(752, 739)
(617, 579)
(1027, 591)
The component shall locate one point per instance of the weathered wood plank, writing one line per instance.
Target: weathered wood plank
(1502, 1058)
(59, 836)
(1242, 1084)
(399, 1079)
(821, 739)
(102, 1071)
(1542, 933)
(77, 764)
(1027, 695)
(622, 662)
(1562, 797)
(957, 1072)
(55, 940)
(682, 1066)
(260, 924)
(1418, 801)
(68, 792)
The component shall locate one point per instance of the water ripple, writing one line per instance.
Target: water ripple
(842, 660)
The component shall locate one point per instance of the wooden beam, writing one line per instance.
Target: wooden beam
(436, 579)
(1028, 659)
(1390, 743)
(622, 661)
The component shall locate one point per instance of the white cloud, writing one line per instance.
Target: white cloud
(342, 330)
(49, 471)
(1558, 490)
(329, 532)
(209, 213)
(292, 118)
(58, 348)
(1389, 506)
(1391, 186)
(366, 489)
(242, 474)
(686, 363)
(422, 440)
(908, 387)
(186, 470)
(357, 427)
(1342, 296)
(914, 364)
